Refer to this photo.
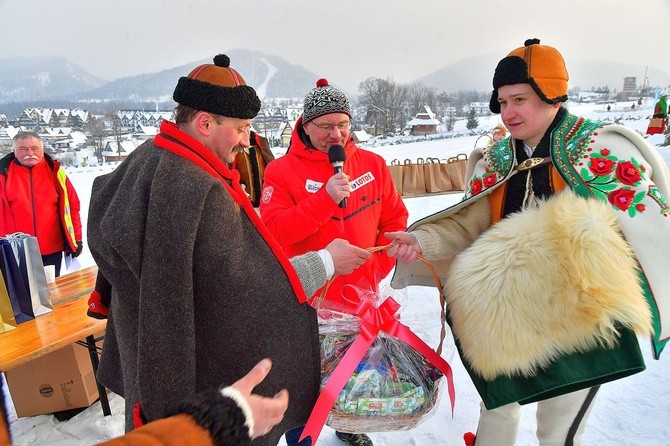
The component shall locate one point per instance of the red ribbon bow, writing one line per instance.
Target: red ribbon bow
(373, 320)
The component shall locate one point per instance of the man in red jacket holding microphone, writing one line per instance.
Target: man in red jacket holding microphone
(307, 203)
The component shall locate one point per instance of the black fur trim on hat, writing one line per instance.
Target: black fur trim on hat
(221, 416)
(494, 105)
(235, 102)
(510, 70)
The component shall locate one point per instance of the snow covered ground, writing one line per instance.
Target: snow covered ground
(631, 411)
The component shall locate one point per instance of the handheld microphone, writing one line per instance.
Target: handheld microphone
(336, 156)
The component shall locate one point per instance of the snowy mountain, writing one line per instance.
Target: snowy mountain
(476, 73)
(23, 80)
(28, 79)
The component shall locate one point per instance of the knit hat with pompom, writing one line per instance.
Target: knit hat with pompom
(324, 99)
(218, 89)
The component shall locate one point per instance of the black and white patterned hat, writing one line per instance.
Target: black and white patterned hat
(324, 99)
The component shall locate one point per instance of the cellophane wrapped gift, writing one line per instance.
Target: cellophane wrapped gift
(393, 387)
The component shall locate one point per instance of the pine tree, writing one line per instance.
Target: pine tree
(472, 122)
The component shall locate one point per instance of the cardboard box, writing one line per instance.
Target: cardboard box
(60, 380)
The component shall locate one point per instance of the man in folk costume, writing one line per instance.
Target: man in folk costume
(250, 162)
(195, 279)
(550, 262)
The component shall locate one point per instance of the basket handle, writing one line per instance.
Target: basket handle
(438, 282)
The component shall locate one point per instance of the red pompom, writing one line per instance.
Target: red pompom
(469, 439)
(323, 82)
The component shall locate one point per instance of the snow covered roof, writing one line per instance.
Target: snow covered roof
(111, 149)
(362, 135)
(422, 121)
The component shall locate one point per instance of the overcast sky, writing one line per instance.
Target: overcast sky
(342, 40)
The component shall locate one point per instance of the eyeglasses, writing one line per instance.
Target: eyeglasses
(341, 126)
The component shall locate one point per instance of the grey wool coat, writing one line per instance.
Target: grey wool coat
(199, 296)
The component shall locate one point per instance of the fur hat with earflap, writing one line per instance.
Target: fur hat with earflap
(218, 89)
(541, 66)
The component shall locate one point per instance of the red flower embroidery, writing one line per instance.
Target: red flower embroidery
(476, 186)
(640, 207)
(621, 198)
(627, 173)
(605, 152)
(601, 166)
(490, 180)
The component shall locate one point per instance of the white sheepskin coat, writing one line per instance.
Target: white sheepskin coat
(542, 282)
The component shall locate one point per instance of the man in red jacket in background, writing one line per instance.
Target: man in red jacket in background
(38, 199)
(301, 199)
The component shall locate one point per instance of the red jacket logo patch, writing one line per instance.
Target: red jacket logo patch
(267, 194)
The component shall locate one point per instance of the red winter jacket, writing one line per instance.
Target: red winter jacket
(39, 201)
(303, 217)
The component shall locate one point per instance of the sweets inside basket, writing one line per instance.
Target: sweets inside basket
(392, 388)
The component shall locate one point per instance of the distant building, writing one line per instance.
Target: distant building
(145, 132)
(37, 118)
(591, 96)
(424, 123)
(629, 84)
(480, 108)
(360, 136)
(269, 122)
(134, 120)
(114, 151)
(285, 133)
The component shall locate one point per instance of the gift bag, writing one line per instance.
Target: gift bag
(657, 122)
(656, 126)
(413, 182)
(7, 320)
(456, 167)
(19, 296)
(396, 169)
(29, 260)
(437, 177)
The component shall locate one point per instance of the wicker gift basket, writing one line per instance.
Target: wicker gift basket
(392, 388)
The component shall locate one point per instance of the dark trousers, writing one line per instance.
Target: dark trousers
(54, 259)
(294, 434)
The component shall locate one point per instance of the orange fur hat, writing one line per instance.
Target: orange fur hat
(541, 66)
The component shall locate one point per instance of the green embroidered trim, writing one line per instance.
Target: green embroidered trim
(499, 159)
(570, 143)
(656, 195)
(657, 343)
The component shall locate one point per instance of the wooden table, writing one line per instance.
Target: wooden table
(73, 285)
(65, 325)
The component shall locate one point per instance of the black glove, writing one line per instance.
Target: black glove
(80, 246)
